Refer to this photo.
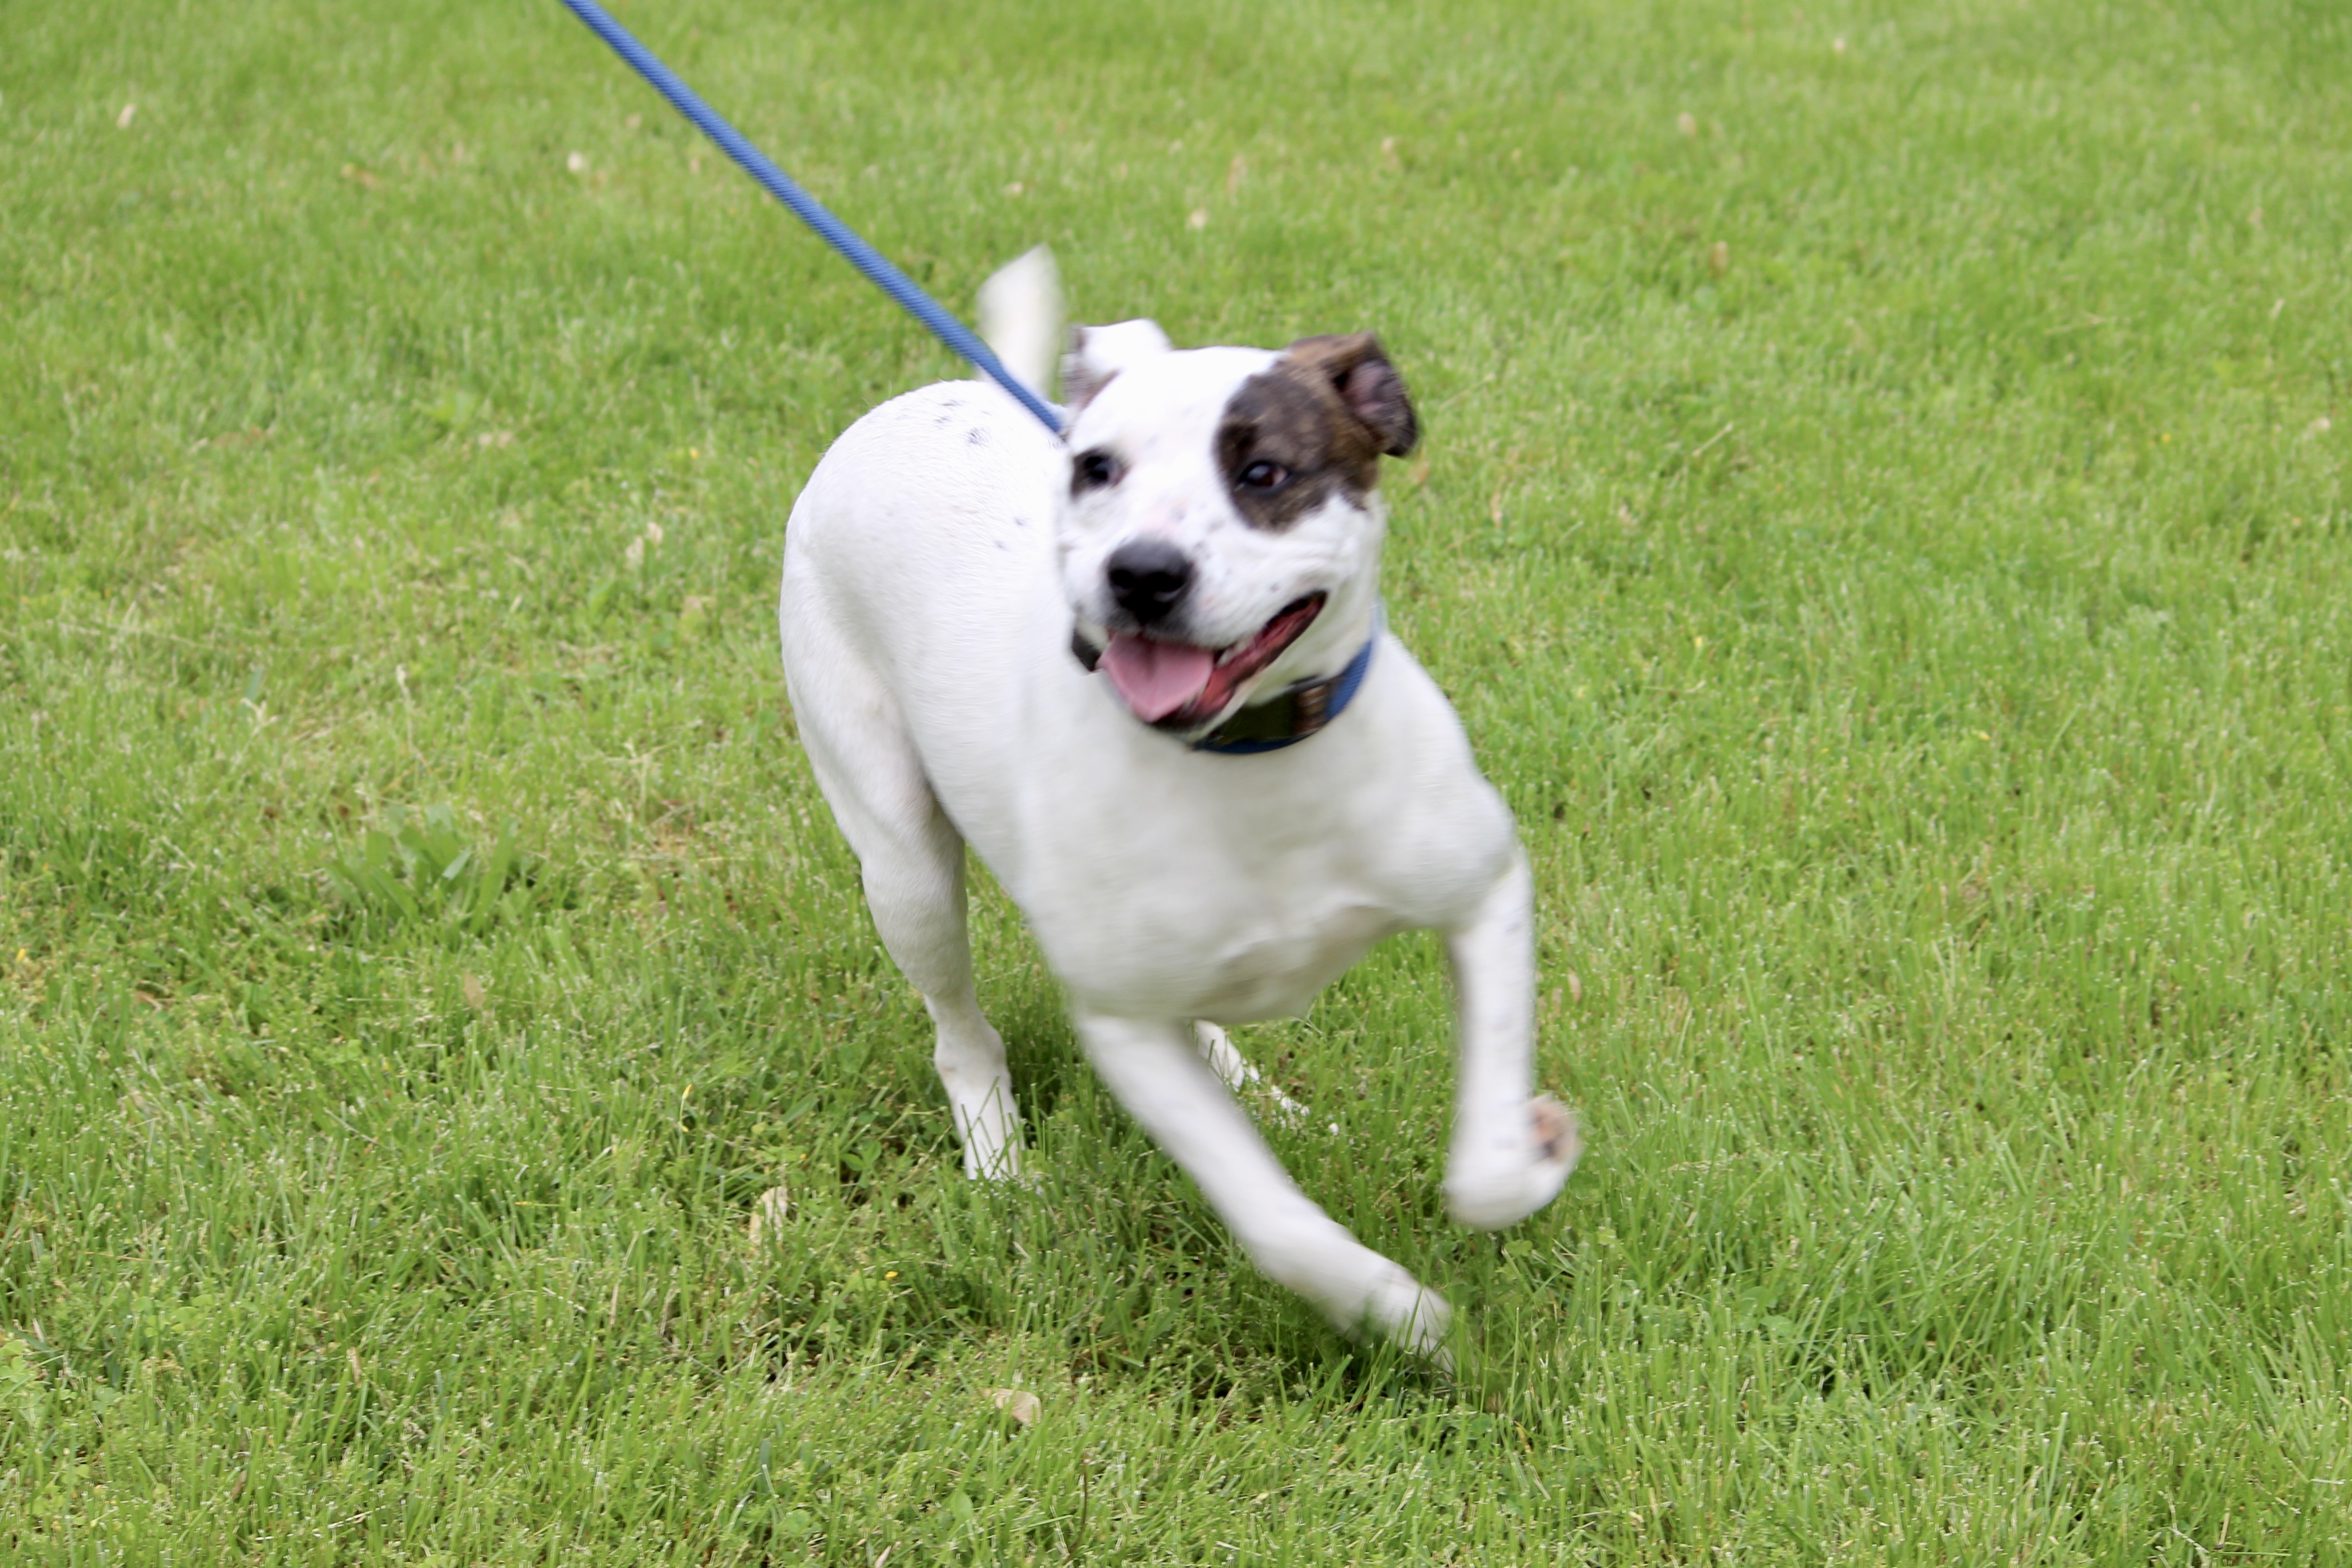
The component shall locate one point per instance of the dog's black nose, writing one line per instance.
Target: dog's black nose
(1148, 577)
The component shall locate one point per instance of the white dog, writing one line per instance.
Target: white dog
(1090, 658)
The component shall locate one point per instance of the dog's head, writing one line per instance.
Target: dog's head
(1221, 532)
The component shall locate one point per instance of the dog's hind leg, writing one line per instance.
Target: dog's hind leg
(917, 894)
(911, 859)
(1157, 1070)
(1239, 1075)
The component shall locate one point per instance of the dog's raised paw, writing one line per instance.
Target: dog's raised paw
(1557, 1138)
(1504, 1192)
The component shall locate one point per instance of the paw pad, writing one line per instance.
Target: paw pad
(1556, 1137)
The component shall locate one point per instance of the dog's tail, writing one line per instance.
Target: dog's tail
(1021, 317)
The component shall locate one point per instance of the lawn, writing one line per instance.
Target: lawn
(1884, 517)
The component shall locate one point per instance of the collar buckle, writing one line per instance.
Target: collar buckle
(1296, 712)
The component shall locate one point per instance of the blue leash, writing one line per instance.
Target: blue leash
(836, 233)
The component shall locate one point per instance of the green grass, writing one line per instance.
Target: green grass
(1887, 532)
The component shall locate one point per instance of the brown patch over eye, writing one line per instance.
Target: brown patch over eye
(1289, 443)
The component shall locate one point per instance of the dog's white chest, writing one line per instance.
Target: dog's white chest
(1207, 943)
(1276, 972)
(1237, 888)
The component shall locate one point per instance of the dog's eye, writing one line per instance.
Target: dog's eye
(1263, 475)
(1093, 470)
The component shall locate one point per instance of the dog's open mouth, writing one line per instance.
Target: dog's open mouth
(1177, 686)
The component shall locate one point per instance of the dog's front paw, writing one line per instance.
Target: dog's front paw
(1409, 1315)
(1504, 1192)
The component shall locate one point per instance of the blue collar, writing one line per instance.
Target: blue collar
(1296, 712)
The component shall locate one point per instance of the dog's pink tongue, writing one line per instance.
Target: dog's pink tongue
(1155, 679)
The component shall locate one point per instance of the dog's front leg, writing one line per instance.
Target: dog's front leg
(1155, 1068)
(1512, 1149)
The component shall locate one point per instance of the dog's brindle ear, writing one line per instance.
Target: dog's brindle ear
(1098, 353)
(1360, 371)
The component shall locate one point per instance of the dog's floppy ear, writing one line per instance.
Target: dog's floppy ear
(1098, 353)
(1359, 371)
